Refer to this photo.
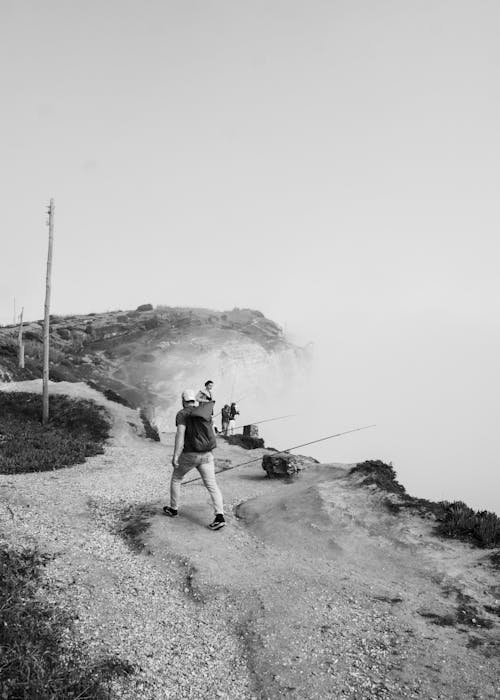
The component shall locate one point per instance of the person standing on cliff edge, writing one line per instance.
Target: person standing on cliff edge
(206, 394)
(194, 442)
(233, 412)
(225, 417)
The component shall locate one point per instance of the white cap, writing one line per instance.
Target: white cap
(188, 395)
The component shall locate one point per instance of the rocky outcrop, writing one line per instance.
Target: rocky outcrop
(278, 466)
(246, 441)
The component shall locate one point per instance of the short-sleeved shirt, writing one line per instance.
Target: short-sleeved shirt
(180, 419)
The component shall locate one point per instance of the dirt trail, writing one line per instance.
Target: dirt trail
(313, 590)
(335, 597)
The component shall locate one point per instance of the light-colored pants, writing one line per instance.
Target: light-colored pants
(232, 424)
(205, 464)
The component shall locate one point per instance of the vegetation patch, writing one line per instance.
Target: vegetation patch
(441, 620)
(133, 522)
(454, 520)
(495, 560)
(150, 429)
(77, 429)
(467, 613)
(376, 473)
(35, 662)
(461, 522)
(112, 395)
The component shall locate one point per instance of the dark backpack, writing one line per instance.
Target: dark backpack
(200, 436)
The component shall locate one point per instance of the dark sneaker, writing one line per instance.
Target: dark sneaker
(218, 522)
(169, 511)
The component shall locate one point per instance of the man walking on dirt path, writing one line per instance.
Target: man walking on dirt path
(194, 442)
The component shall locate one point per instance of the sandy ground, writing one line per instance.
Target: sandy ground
(313, 590)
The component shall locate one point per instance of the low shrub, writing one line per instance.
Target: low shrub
(34, 660)
(454, 520)
(150, 429)
(64, 333)
(376, 472)
(8, 347)
(150, 323)
(33, 346)
(112, 395)
(77, 429)
(460, 521)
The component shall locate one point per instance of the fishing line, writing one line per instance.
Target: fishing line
(267, 420)
(295, 447)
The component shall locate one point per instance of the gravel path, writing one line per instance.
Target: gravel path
(309, 592)
(124, 606)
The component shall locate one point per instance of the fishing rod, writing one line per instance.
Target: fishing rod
(295, 447)
(267, 420)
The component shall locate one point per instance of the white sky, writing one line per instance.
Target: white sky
(323, 161)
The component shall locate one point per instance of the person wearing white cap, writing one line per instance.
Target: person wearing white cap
(194, 442)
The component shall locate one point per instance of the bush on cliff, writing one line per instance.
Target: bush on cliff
(77, 429)
(480, 527)
(454, 520)
(150, 429)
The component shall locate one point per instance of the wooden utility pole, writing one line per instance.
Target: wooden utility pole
(46, 323)
(21, 344)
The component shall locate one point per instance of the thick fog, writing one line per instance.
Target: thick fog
(429, 384)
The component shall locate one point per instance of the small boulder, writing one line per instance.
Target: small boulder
(251, 431)
(145, 307)
(248, 443)
(283, 464)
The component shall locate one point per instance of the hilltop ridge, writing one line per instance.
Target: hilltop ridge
(142, 357)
